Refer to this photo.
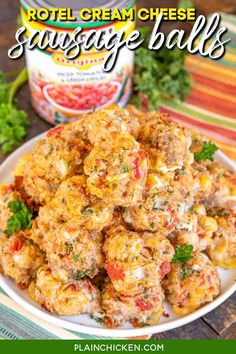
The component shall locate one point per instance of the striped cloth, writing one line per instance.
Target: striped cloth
(211, 108)
(17, 323)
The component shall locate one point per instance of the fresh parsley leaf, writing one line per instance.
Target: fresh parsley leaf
(207, 152)
(21, 218)
(183, 254)
(126, 169)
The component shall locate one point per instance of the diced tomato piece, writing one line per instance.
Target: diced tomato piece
(90, 286)
(83, 97)
(72, 287)
(173, 224)
(165, 268)
(16, 245)
(115, 271)
(48, 271)
(55, 132)
(166, 118)
(18, 182)
(10, 188)
(137, 172)
(165, 314)
(143, 154)
(233, 180)
(143, 304)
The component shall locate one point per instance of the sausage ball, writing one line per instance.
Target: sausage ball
(135, 262)
(162, 206)
(195, 228)
(192, 285)
(36, 235)
(20, 258)
(140, 310)
(170, 141)
(52, 160)
(214, 185)
(222, 250)
(74, 252)
(72, 202)
(106, 123)
(64, 299)
(117, 171)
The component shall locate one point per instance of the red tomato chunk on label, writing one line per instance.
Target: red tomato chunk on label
(83, 97)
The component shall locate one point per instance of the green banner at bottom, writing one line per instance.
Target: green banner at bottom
(120, 346)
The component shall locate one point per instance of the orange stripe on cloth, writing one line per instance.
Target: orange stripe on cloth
(225, 139)
(211, 69)
(227, 135)
(212, 101)
(203, 79)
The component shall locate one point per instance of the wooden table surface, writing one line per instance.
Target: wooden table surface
(220, 323)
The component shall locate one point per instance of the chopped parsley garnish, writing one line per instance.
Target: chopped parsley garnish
(122, 209)
(79, 275)
(185, 273)
(126, 169)
(82, 274)
(223, 212)
(170, 191)
(21, 218)
(76, 258)
(183, 254)
(207, 152)
(87, 212)
(68, 248)
(97, 319)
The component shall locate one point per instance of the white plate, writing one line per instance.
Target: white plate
(84, 323)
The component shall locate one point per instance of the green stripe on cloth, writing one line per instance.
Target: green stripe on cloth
(87, 336)
(13, 325)
(2, 291)
(209, 117)
(20, 327)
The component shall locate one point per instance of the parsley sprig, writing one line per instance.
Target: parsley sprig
(183, 254)
(21, 218)
(159, 74)
(207, 152)
(13, 122)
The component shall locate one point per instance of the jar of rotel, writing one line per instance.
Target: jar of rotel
(63, 89)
